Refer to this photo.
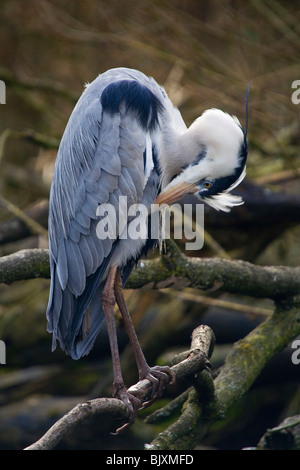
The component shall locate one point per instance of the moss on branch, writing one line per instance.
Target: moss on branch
(242, 367)
(175, 269)
(248, 356)
(25, 264)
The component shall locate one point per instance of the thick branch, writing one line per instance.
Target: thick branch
(112, 406)
(25, 264)
(243, 365)
(249, 355)
(177, 270)
(196, 360)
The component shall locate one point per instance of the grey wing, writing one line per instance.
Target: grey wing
(101, 157)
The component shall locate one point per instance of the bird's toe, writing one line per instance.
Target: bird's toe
(133, 404)
(159, 376)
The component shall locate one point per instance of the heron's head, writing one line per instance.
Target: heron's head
(216, 150)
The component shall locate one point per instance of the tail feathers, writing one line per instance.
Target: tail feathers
(76, 329)
(76, 320)
(90, 327)
(81, 342)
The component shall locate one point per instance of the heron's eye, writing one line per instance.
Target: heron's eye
(207, 184)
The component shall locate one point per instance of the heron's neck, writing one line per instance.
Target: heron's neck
(178, 149)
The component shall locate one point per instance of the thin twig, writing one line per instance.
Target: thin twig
(34, 226)
(221, 303)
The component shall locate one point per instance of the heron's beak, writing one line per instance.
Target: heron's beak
(174, 194)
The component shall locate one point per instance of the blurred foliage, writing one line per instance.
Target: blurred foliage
(205, 53)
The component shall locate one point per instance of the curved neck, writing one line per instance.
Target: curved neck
(177, 150)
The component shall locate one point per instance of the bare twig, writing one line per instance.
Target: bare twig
(15, 229)
(30, 135)
(37, 84)
(34, 226)
(197, 360)
(224, 304)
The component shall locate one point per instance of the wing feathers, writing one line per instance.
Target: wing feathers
(76, 270)
(87, 255)
(62, 264)
(100, 158)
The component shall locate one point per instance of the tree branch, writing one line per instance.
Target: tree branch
(34, 226)
(243, 365)
(100, 406)
(175, 269)
(15, 229)
(37, 84)
(25, 264)
(197, 359)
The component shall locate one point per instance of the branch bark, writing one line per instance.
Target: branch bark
(248, 356)
(197, 359)
(177, 270)
(25, 264)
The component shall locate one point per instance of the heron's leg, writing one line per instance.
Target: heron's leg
(108, 303)
(157, 375)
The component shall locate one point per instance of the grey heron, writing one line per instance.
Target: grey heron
(125, 138)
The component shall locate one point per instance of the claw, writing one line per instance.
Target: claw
(159, 376)
(133, 404)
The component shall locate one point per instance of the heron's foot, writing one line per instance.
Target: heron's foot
(132, 402)
(159, 376)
